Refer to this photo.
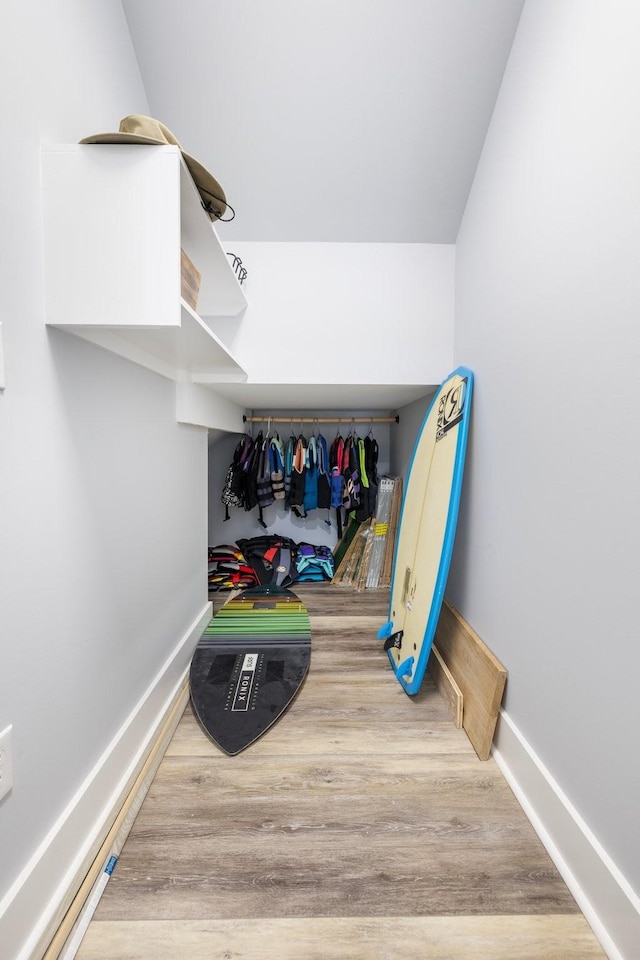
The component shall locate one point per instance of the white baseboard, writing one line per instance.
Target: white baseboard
(607, 900)
(37, 897)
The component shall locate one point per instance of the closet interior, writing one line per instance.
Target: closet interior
(324, 486)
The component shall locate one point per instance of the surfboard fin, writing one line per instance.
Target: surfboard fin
(405, 669)
(394, 640)
(385, 630)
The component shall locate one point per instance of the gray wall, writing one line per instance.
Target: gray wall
(547, 308)
(103, 495)
(403, 437)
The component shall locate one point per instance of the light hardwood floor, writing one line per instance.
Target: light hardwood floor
(362, 826)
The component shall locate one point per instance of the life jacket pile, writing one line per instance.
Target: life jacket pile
(267, 559)
(304, 474)
(313, 563)
(271, 557)
(228, 569)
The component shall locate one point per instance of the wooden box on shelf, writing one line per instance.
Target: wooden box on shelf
(190, 278)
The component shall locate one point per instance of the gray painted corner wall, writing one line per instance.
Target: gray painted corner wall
(547, 307)
(403, 437)
(103, 494)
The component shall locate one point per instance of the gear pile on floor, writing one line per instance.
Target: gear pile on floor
(268, 559)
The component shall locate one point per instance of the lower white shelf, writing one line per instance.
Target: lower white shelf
(189, 347)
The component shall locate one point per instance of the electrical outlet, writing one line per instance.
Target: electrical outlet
(6, 762)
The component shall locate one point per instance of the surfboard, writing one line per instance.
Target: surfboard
(426, 531)
(249, 664)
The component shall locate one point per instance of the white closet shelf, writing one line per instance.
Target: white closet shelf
(297, 397)
(177, 351)
(115, 219)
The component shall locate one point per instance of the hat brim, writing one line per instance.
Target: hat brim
(124, 138)
(209, 189)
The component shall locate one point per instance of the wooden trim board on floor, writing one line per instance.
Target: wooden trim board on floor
(479, 675)
(446, 686)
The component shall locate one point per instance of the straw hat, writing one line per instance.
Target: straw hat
(140, 129)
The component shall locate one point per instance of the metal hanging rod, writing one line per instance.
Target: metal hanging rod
(264, 419)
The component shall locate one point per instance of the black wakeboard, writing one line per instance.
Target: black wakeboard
(249, 665)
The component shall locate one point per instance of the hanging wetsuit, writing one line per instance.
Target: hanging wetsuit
(296, 492)
(310, 500)
(324, 481)
(288, 465)
(337, 480)
(263, 486)
(276, 459)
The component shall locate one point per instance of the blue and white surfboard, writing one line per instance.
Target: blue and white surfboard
(427, 530)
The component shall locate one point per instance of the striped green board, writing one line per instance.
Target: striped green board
(249, 664)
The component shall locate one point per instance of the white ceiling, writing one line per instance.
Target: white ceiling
(329, 120)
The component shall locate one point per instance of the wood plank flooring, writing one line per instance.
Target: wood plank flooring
(362, 826)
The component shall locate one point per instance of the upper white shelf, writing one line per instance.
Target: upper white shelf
(115, 219)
